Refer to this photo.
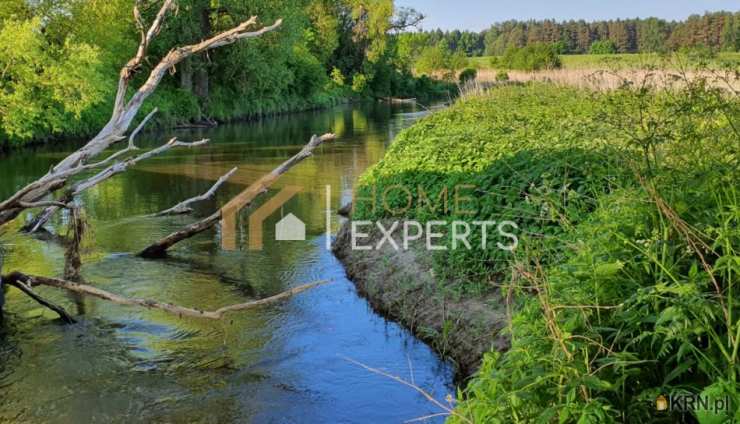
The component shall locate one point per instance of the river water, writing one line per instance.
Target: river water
(285, 363)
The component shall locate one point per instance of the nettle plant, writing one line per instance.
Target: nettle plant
(637, 297)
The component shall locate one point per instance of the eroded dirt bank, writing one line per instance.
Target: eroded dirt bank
(401, 285)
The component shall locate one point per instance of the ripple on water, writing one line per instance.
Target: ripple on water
(282, 363)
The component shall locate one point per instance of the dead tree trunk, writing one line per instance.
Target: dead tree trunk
(72, 256)
(27, 282)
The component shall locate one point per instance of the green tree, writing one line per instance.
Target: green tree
(652, 35)
(439, 59)
(603, 47)
(532, 58)
(43, 86)
(730, 33)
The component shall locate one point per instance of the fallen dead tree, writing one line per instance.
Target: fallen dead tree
(159, 249)
(241, 201)
(69, 175)
(107, 173)
(26, 283)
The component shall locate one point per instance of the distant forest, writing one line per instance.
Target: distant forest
(719, 31)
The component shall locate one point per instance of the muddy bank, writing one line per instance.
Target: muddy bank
(401, 286)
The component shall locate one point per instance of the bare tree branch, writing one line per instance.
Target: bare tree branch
(130, 148)
(19, 280)
(448, 410)
(120, 167)
(177, 55)
(44, 204)
(241, 201)
(103, 175)
(184, 206)
(25, 288)
(137, 130)
(405, 18)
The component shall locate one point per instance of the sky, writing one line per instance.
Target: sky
(480, 14)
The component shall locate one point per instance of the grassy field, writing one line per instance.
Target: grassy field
(589, 61)
(623, 286)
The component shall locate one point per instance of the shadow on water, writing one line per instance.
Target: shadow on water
(277, 364)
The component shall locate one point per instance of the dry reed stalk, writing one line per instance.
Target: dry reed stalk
(605, 80)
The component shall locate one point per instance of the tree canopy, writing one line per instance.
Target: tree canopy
(60, 58)
(717, 30)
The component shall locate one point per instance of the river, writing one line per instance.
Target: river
(286, 363)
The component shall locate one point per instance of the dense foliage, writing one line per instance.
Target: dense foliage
(468, 75)
(603, 47)
(530, 58)
(59, 60)
(623, 287)
(439, 59)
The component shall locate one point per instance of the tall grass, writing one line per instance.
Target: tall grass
(603, 80)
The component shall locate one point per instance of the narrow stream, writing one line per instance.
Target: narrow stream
(286, 363)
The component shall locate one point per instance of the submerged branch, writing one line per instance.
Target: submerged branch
(25, 282)
(26, 288)
(241, 201)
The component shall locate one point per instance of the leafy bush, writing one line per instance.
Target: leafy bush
(485, 142)
(359, 83)
(46, 89)
(337, 77)
(440, 59)
(469, 74)
(531, 58)
(561, 47)
(603, 47)
(502, 76)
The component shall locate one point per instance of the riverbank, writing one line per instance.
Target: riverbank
(613, 272)
(402, 286)
(171, 117)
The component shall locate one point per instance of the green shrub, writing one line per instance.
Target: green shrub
(337, 77)
(359, 83)
(531, 58)
(47, 90)
(603, 47)
(439, 59)
(560, 47)
(469, 74)
(502, 76)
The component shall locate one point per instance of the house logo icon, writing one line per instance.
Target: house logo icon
(290, 228)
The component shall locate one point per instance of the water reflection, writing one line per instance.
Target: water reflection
(276, 364)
